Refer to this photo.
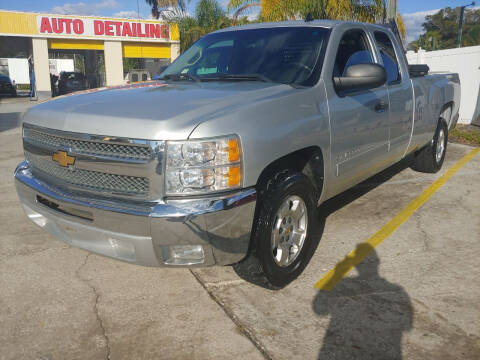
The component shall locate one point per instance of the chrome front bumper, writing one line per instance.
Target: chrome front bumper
(189, 232)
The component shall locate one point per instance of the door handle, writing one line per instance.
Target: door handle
(381, 107)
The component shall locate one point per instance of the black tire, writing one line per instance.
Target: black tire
(277, 190)
(426, 160)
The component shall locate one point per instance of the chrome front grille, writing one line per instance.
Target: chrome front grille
(105, 166)
(89, 180)
(85, 147)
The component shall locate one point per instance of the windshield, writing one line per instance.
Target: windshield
(290, 55)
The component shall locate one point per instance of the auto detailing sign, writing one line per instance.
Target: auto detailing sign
(101, 28)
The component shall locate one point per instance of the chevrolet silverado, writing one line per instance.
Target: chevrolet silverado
(231, 152)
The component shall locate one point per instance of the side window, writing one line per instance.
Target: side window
(353, 50)
(389, 59)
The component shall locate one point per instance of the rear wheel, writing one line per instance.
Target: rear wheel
(430, 158)
(285, 232)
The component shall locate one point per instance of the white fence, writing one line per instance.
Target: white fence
(464, 61)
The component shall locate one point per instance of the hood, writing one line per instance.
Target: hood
(155, 110)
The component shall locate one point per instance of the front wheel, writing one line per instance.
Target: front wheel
(430, 158)
(285, 233)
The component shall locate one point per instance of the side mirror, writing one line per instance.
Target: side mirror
(361, 76)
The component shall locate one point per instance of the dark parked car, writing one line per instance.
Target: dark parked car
(69, 82)
(6, 86)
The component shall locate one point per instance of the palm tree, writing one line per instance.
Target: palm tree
(277, 10)
(209, 16)
(270, 10)
(164, 7)
(401, 27)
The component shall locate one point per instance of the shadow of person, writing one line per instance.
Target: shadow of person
(368, 314)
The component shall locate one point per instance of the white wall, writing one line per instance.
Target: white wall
(58, 65)
(17, 70)
(464, 61)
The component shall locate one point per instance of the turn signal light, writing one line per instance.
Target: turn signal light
(234, 176)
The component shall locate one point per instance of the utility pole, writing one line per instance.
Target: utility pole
(390, 17)
(392, 9)
(460, 23)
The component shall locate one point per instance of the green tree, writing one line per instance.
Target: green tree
(278, 10)
(209, 16)
(166, 7)
(441, 30)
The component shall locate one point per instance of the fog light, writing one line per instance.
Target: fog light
(183, 254)
(34, 216)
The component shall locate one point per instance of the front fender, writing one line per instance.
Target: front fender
(275, 127)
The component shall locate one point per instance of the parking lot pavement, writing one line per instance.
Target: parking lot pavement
(59, 302)
(415, 296)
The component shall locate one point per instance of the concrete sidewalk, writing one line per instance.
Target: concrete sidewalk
(415, 297)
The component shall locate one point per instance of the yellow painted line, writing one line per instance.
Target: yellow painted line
(330, 279)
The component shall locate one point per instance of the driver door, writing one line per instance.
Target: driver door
(358, 118)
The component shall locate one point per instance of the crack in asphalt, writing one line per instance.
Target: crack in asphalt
(244, 330)
(426, 239)
(95, 306)
(227, 283)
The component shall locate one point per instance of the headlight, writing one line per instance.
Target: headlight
(203, 166)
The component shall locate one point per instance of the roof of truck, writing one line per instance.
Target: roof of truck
(295, 23)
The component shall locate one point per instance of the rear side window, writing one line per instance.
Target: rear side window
(353, 50)
(389, 59)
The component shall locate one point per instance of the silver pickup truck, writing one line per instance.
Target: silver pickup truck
(233, 150)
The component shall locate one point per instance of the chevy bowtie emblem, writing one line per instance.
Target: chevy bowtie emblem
(63, 158)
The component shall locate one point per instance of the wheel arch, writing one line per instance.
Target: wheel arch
(446, 113)
(309, 160)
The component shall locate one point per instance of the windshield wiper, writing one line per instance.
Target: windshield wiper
(225, 77)
(184, 76)
(245, 77)
(239, 77)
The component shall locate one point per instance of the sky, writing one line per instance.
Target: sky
(413, 11)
